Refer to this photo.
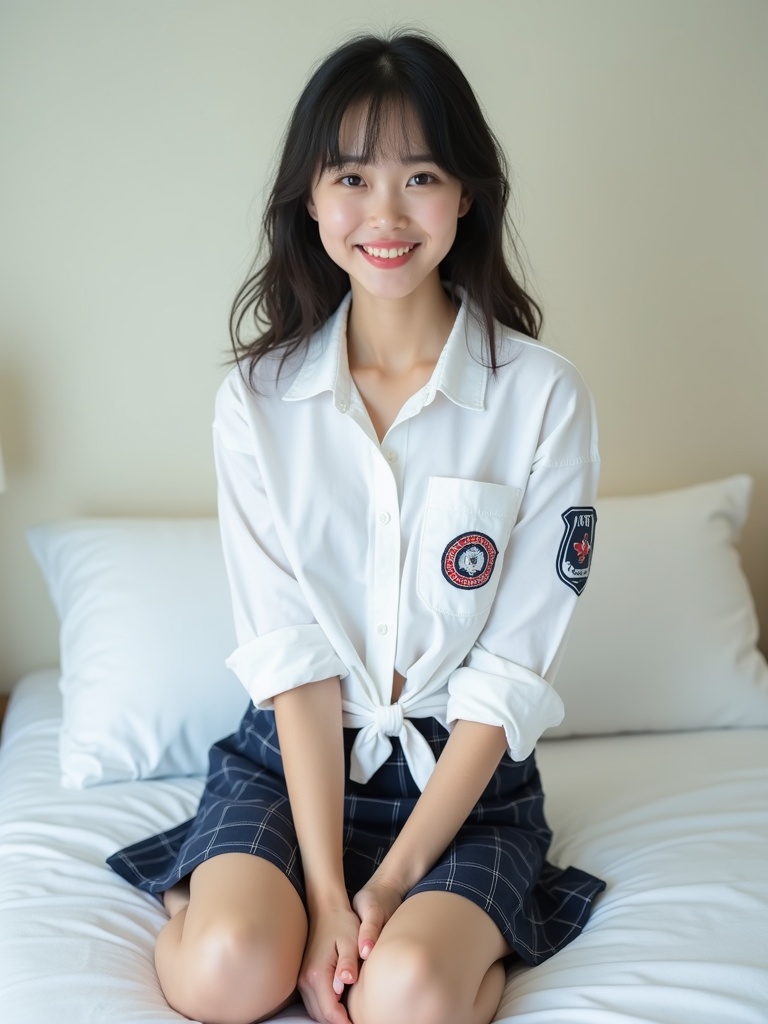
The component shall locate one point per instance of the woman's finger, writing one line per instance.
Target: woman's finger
(331, 1010)
(320, 1001)
(346, 966)
(371, 923)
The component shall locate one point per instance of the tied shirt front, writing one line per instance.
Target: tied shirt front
(436, 553)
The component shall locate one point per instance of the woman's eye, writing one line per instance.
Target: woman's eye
(422, 179)
(351, 180)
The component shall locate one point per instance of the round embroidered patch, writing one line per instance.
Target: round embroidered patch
(468, 560)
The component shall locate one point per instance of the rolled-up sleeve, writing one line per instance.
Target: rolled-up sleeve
(506, 678)
(280, 644)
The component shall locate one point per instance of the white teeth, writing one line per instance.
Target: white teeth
(387, 254)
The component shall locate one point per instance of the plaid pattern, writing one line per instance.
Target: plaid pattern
(497, 860)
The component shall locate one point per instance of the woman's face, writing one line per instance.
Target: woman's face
(391, 221)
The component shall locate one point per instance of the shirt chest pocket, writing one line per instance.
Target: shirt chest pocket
(464, 534)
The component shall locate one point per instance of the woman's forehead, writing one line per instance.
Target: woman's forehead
(393, 131)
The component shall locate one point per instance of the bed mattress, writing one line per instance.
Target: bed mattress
(677, 824)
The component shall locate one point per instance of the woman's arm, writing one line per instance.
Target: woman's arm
(311, 742)
(463, 770)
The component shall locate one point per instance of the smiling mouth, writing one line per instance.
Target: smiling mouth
(388, 253)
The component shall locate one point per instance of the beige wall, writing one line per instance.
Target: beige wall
(136, 138)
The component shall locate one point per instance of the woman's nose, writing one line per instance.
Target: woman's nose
(387, 210)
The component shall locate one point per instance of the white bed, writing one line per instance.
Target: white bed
(669, 804)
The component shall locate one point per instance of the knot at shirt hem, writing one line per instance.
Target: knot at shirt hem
(378, 724)
(389, 719)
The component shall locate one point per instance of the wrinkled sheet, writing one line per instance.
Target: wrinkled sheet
(676, 824)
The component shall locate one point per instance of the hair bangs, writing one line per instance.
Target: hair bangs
(379, 122)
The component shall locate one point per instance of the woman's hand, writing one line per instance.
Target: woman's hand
(330, 962)
(374, 904)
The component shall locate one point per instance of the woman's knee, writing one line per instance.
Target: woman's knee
(402, 980)
(232, 955)
(233, 971)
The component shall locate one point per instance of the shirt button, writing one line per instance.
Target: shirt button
(381, 629)
(384, 518)
(392, 456)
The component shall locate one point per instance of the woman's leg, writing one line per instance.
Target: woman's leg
(231, 954)
(437, 961)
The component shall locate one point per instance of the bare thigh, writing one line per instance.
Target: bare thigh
(231, 953)
(438, 961)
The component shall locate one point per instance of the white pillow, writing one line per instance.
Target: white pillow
(664, 635)
(146, 624)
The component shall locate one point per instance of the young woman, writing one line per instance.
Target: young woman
(405, 488)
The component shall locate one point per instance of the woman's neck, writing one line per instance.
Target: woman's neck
(393, 346)
(396, 335)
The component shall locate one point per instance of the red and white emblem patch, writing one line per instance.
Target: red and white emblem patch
(468, 560)
(575, 554)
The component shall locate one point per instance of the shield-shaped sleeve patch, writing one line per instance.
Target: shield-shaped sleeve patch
(575, 554)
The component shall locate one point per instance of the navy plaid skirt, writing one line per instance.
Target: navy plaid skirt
(497, 860)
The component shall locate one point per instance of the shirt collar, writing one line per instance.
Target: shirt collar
(460, 372)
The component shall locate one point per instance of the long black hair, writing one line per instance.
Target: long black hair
(297, 286)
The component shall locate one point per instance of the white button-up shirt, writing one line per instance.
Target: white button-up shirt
(440, 552)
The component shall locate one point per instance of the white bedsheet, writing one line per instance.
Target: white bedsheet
(676, 824)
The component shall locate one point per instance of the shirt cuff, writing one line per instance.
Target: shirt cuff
(494, 691)
(283, 660)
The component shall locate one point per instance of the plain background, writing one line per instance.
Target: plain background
(136, 142)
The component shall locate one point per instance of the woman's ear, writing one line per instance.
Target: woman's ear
(465, 202)
(311, 208)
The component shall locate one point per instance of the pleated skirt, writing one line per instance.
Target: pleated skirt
(497, 860)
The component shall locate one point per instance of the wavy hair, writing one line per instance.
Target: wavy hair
(296, 287)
